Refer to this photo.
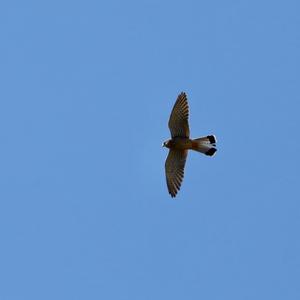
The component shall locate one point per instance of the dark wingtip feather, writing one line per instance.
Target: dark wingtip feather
(173, 194)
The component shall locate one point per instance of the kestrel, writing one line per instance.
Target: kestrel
(180, 143)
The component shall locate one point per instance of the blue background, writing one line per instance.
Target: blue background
(86, 92)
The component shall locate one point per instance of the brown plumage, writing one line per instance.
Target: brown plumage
(180, 143)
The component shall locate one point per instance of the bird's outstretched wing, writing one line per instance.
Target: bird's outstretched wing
(178, 122)
(174, 167)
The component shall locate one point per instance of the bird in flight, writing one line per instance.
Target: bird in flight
(181, 142)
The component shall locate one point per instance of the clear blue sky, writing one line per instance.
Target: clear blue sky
(86, 92)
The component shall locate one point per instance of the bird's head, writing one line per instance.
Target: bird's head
(166, 144)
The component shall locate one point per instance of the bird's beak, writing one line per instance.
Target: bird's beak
(163, 145)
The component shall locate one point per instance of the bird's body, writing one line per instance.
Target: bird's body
(180, 143)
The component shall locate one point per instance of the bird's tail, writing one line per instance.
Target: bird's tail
(206, 145)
